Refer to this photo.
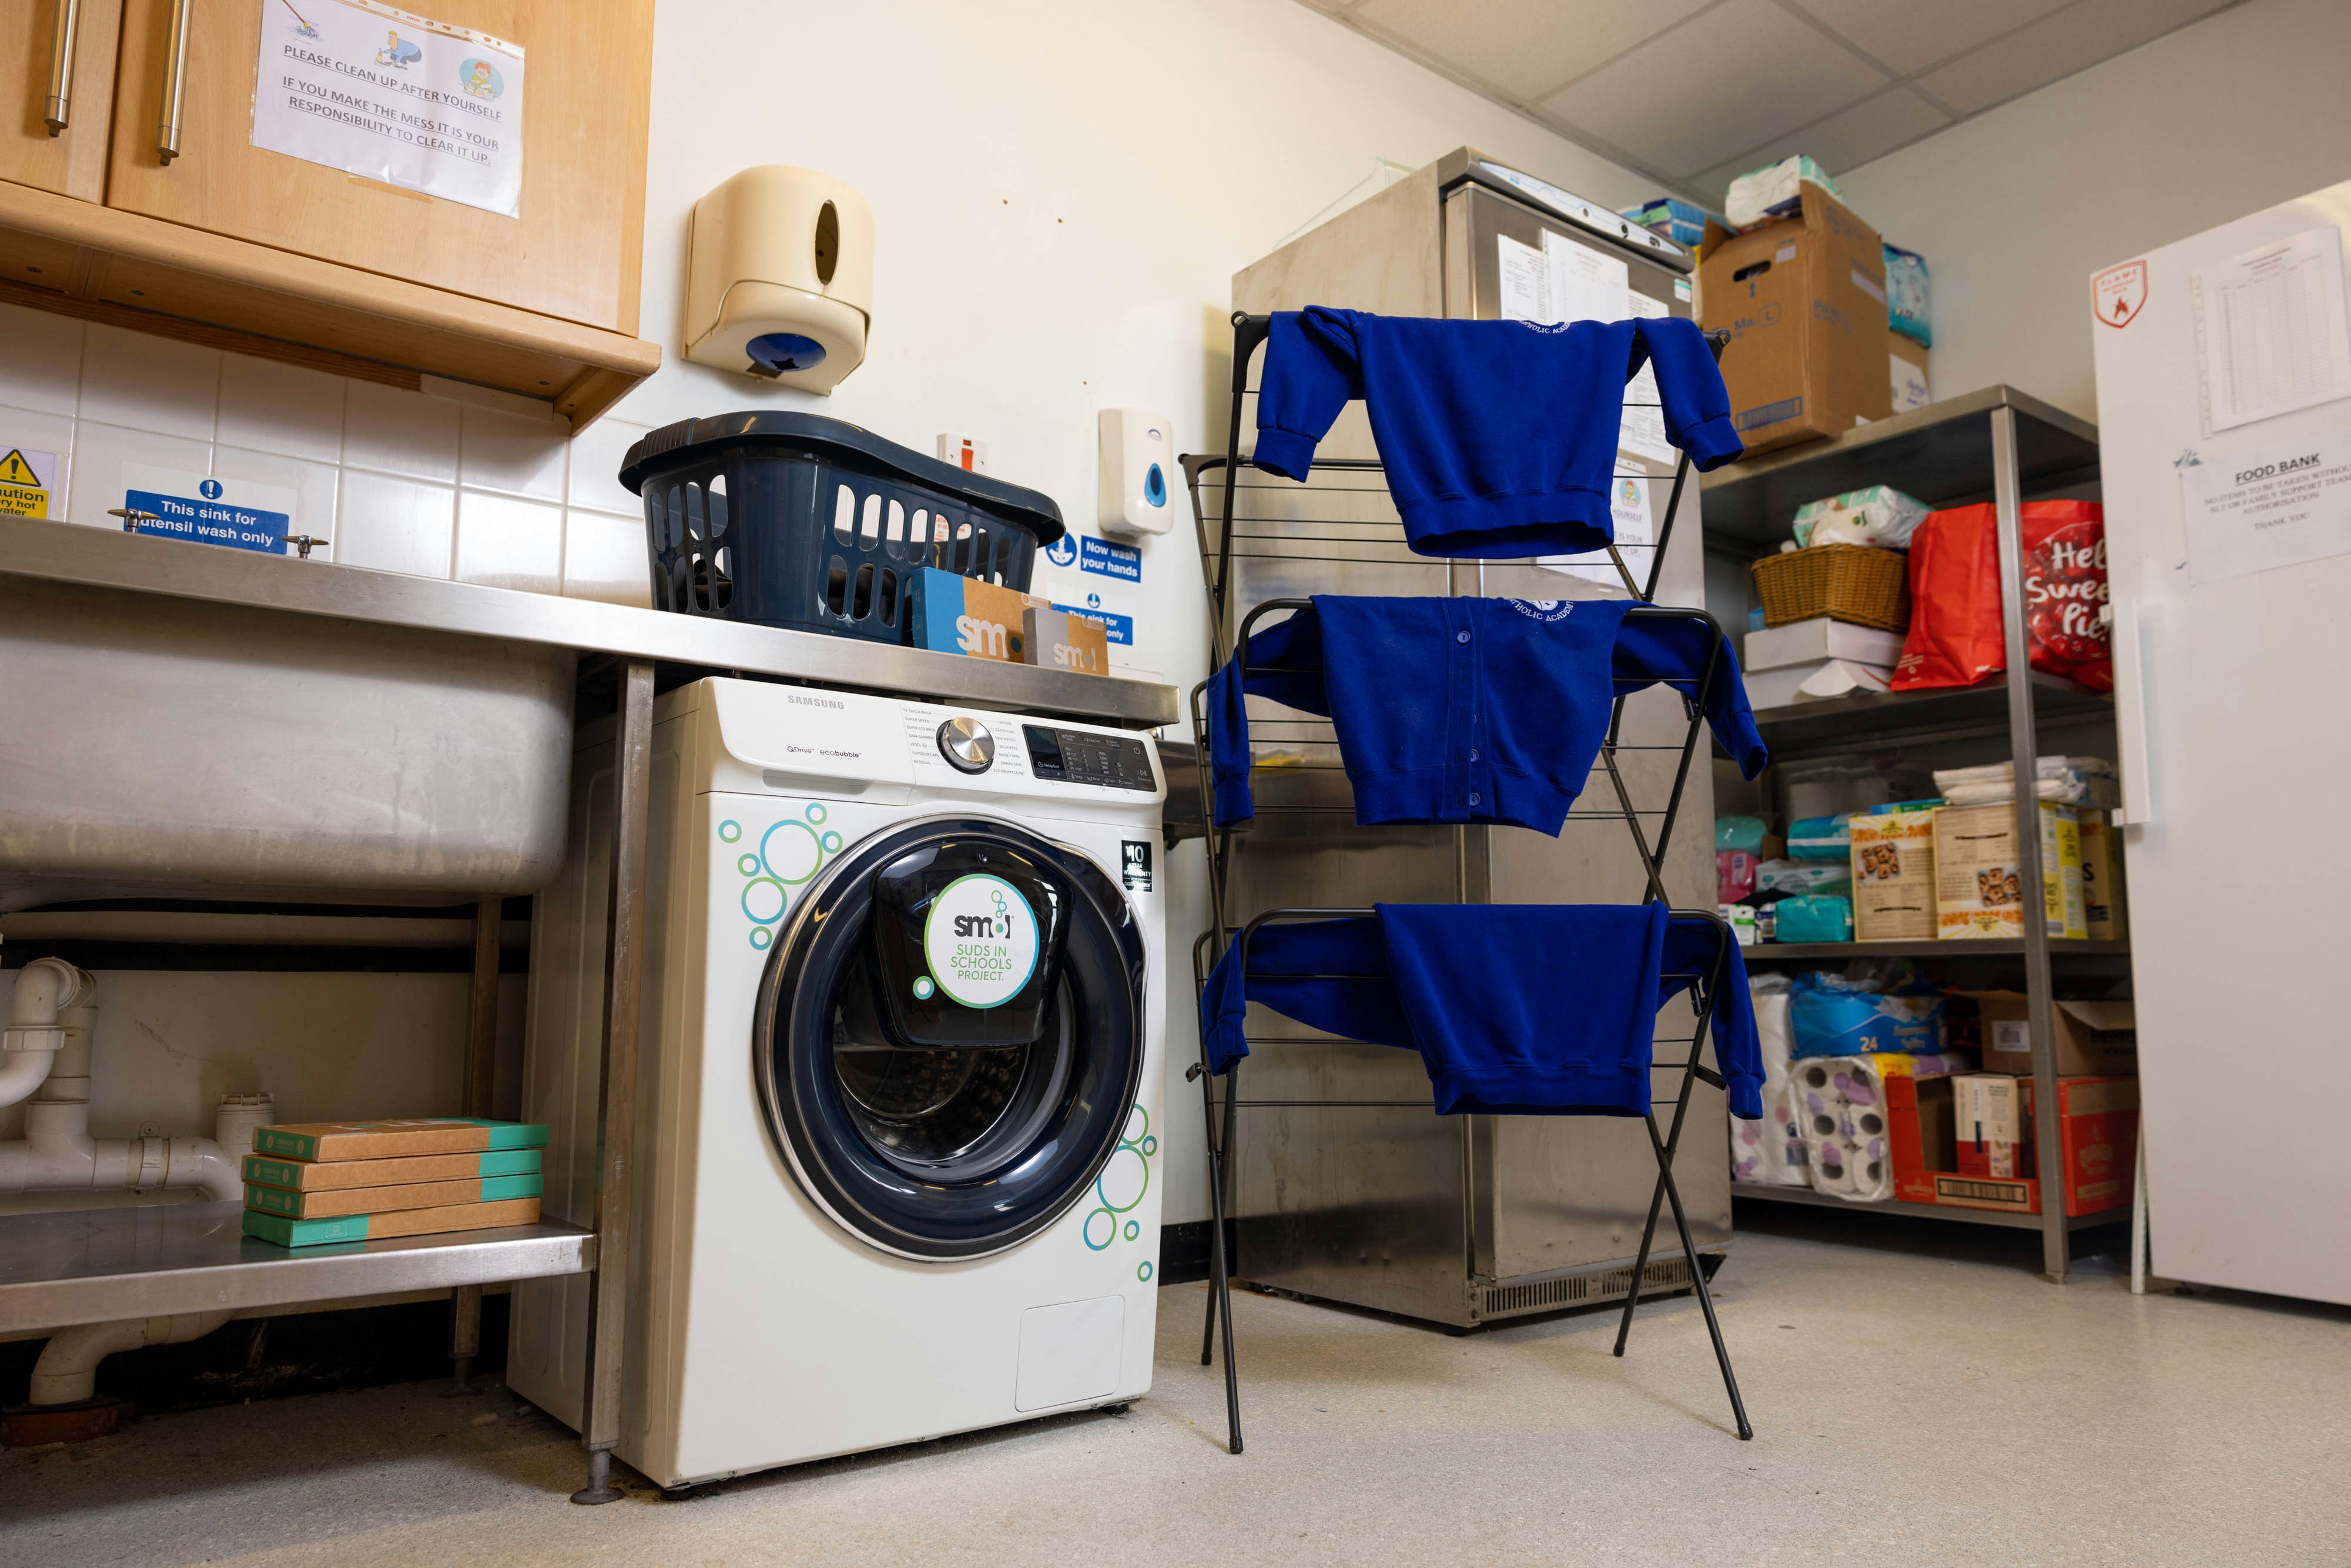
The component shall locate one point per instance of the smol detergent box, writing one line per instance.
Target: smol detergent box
(301, 1175)
(289, 1232)
(385, 1140)
(1056, 640)
(333, 1201)
(951, 613)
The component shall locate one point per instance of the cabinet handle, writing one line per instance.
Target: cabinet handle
(175, 83)
(59, 111)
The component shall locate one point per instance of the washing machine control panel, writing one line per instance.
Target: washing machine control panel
(966, 744)
(1079, 757)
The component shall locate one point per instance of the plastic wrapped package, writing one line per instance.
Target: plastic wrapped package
(1814, 917)
(1878, 515)
(1771, 191)
(1839, 1108)
(1910, 300)
(1872, 1008)
(1790, 878)
(1771, 1152)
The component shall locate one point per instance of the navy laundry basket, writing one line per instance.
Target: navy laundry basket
(795, 520)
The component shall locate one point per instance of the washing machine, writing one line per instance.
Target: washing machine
(899, 1125)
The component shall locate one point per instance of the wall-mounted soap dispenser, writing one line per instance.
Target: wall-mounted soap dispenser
(779, 277)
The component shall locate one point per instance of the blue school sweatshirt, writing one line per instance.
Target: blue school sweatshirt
(1499, 437)
(1469, 710)
(1516, 1010)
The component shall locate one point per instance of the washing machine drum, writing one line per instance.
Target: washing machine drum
(949, 1036)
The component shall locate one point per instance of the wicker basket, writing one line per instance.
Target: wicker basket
(1857, 583)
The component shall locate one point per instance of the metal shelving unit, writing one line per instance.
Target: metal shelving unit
(1806, 1196)
(1998, 445)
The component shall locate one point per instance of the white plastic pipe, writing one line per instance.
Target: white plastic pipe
(66, 1373)
(55, 1009)
(36, 1032)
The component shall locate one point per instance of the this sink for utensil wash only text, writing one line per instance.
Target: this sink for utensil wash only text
(155, 745)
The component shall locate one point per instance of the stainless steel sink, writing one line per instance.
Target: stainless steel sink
(162, 746)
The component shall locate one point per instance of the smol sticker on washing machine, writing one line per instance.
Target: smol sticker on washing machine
(981, 940)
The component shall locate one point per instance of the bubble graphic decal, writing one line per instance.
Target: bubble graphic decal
(1122, 1186)
(790, 853)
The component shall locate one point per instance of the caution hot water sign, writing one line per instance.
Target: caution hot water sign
(26, 478)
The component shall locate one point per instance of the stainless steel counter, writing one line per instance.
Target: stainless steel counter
(99, 1265)
(100, 558)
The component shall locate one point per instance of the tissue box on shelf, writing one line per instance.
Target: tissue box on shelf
(1815, 640)
(2097, 1134)
(1819, 680)
(1978, 893)
(1893, 876)
(1804, 301)
(955, 614)
(2094, 1038)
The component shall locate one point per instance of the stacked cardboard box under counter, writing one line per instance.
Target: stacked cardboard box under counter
(363, 1181)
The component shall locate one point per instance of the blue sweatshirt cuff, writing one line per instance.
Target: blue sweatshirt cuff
(1711, 443)
(1284, 452)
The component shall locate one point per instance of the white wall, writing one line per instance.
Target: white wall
(1062, 192)
(2015, 209)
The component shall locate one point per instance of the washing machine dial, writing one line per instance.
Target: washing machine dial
(966, 744)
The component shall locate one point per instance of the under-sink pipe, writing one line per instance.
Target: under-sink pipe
(66, 1373)
(56, 1153)
(45, 987)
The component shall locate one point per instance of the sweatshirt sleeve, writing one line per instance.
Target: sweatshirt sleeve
(1698, 409)
(1737, 1049)
(1310, 371)
(1224, 1011)
(1674, 650)
(1228, 746)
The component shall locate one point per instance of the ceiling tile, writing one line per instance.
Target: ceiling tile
(1845, 140)
(1911, 35)
(1742, 74)
(2075, 38)
(1525, 48)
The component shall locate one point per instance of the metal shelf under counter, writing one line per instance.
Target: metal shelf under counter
(1804, 1195)
(99, 1265)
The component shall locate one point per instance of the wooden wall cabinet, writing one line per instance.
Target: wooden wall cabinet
(262, 253)
(56, 50)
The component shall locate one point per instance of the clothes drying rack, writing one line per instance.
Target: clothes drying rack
(1345, 534)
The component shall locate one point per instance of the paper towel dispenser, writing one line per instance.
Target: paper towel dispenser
(779, 277)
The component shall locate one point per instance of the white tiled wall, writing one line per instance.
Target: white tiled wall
(453, 482)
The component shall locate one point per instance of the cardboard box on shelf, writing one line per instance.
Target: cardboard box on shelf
(1056, 640)
(1804, 301)
(1989, 1114)
(1978, 890)
(1907, 364)
(1894, 876)
(950, 614)
(2093, 1036)
(2102, 878)
(2098, 1134)
(396, 1139)
(1811, 640)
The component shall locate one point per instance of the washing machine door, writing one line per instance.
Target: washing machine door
(949, 1035)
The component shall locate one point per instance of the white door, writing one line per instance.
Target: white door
(2234, 702)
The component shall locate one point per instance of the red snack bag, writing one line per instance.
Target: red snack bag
(1955, 631)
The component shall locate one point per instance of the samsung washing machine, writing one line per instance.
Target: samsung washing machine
(899, 1136)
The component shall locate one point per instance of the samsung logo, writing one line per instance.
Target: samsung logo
(816, 701)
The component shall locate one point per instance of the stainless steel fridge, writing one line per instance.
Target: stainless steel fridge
(1343, 1183)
